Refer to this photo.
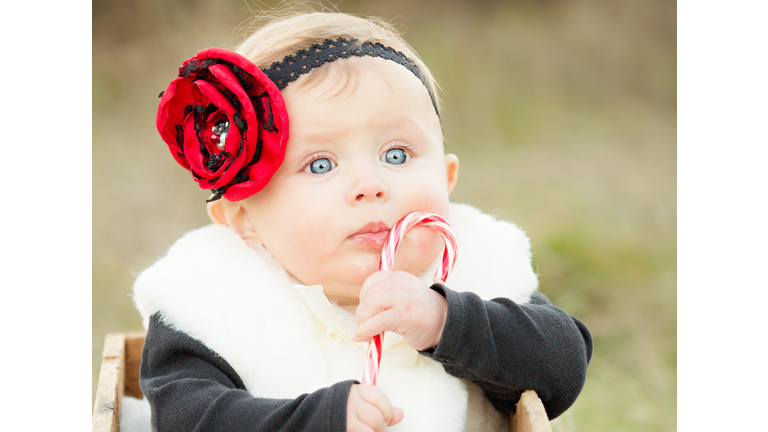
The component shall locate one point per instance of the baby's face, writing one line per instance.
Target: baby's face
(356, 162)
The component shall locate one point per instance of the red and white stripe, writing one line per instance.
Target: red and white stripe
(396, 235)
(371, 371)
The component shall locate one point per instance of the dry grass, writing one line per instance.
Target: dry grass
(563, 114)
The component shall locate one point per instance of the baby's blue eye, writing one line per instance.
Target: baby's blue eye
(321, 166)
(395, 156)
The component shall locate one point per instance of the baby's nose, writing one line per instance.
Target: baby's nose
(361, 197)
(368, 188)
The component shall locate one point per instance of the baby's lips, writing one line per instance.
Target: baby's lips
(370, 239)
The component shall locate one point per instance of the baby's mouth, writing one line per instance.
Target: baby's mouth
(372, 235)
(370, 239)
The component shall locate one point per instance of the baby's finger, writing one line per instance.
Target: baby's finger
(374, 396)
(357, 425)
(397, 416)
(371, 282)
(371, 417)
(387, 320)
(374, 304)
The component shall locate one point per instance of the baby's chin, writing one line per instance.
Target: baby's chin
(347, 278)
(415, 255)
(362, 265)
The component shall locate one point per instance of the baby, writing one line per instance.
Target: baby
(315, 138)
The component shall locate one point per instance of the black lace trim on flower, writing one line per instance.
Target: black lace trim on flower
(241, 176)
(217, 194)
(293, 66)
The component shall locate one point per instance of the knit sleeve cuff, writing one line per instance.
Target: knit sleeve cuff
(453, 331)
(338, 396)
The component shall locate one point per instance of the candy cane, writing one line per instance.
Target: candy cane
(396, 235)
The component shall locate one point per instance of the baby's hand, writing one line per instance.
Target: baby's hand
(368, 408)
(400, 302)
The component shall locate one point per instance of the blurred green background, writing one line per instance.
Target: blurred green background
(563, 114)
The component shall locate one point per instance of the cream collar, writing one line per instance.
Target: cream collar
(341, 323)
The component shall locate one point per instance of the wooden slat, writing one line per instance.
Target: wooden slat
(134, 342)
(530, 415)
(109, 392)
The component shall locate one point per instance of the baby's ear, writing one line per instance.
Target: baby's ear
(236, 216)
(452, 170)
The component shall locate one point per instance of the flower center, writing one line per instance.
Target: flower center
(219, 133)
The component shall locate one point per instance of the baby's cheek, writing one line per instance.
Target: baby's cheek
(418, 250)
(304, 255)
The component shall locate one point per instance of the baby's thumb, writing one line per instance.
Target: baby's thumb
(397, 416)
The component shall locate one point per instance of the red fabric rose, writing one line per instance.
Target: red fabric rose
(224, 121)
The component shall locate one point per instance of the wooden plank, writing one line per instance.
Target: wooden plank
(530, 415)
(109, 392)
(134, 342)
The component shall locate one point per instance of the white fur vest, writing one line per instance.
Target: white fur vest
(245, 307)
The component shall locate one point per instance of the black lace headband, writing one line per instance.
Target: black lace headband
(293, 66)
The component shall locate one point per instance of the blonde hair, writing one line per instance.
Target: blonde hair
(290, 32)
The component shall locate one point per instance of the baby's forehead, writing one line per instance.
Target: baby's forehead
(344, 76)
(360, 102)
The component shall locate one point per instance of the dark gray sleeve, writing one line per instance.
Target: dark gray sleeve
(191, 388)
(507, 348)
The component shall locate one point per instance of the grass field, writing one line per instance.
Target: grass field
(563, 114)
